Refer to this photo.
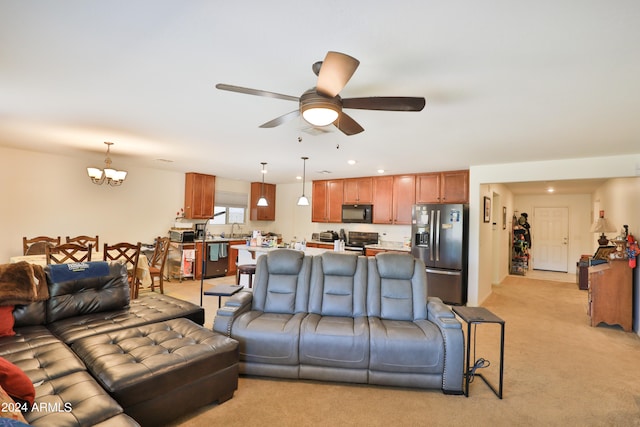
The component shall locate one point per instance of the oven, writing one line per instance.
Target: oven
(358, 240)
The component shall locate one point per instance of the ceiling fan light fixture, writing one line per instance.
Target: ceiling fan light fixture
(320, 116)
(319, 110)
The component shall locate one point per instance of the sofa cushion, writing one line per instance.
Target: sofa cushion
(46, 362)
(338, 285)
(15, 382)
(335, 341)
(28, 337)
(83, 288)
(6, 321)
(149, 308)
(406, 347)
(282, 282)
(74, 400)
(30, 314)
(397, 287)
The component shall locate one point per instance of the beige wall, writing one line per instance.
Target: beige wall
(51, 194)
(621, 195)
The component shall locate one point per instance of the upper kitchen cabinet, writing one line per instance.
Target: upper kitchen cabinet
(393, 199)
(263, 213)
(443, 187)
(199, 195)
(358, 191)
(455, 187)
(326, 201)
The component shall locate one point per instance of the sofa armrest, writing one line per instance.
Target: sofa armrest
(451, 329)
(233, 307)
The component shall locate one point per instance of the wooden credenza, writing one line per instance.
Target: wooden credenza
(611, 294)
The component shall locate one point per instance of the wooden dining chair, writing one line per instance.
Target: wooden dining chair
(85, 240)
(127, 253)
(36, 246)
(67, 252)
(157, 262)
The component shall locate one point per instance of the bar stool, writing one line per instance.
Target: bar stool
(249, 269)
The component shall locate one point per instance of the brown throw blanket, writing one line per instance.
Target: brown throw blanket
(22, 283)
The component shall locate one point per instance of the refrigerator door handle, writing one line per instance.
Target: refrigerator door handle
(431, 237)
(437, 237)
(445, 272)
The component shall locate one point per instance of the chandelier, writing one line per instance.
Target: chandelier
(110, 176)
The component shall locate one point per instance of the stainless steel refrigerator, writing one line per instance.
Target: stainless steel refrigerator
(440, 240)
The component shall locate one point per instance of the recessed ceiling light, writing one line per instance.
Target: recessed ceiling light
(351, 162)
(550, 190)
(380, 170)
(164, 160)
(298, 177)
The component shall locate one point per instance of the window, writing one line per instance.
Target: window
(230, 207)
(230, 216)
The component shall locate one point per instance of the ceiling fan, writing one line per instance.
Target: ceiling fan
(322, 105)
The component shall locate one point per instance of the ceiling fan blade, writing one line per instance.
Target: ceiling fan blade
(337, 68)
(386, 103)
(280, 120)
(347, 125)
(256, 92)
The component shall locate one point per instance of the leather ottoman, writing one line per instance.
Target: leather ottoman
(161, 371)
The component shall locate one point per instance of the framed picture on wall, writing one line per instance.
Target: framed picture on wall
(487, 209)
(504, 217)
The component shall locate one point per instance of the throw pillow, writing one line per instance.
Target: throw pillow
(15, 382)
(10, 409)
(6, 321)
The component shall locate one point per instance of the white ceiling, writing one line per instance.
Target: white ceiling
(505, 81)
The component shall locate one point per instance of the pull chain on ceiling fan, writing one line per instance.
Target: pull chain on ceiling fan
(322, 105)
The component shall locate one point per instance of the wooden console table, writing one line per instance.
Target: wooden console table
(611, 294)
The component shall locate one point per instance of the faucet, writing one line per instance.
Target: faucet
(233, 226)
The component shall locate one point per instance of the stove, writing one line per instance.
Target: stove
(358, 240)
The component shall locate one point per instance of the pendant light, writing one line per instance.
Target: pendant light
(262, 201)
(303, 201)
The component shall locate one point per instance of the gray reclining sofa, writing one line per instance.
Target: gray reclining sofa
(348, 318)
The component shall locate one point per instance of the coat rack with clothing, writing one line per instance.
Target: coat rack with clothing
(520, 244)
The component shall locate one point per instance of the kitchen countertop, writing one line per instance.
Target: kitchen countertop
(390, 247)
(308, 251)
(222, 239)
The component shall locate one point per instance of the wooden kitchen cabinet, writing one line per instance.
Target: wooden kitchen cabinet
(428, 188)
(358, 191)
(611, 294)
(326, 201)
(443, 187)
(263, 213)
(454, 187)
(233, 257)
(199, 195)
(374, 252)
(383, 200)
(393, 199)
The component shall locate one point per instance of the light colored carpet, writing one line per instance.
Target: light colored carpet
(559, 371)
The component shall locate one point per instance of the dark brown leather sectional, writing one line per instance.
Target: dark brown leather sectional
(71, 346)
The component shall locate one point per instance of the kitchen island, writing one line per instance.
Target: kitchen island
(260, 250)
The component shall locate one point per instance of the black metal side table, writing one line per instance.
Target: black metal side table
(474, 316)
(222, 291)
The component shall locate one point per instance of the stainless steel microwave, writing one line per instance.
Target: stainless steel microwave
(182, 236)
(357, 213)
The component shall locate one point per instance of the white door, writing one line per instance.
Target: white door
(549, 239)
